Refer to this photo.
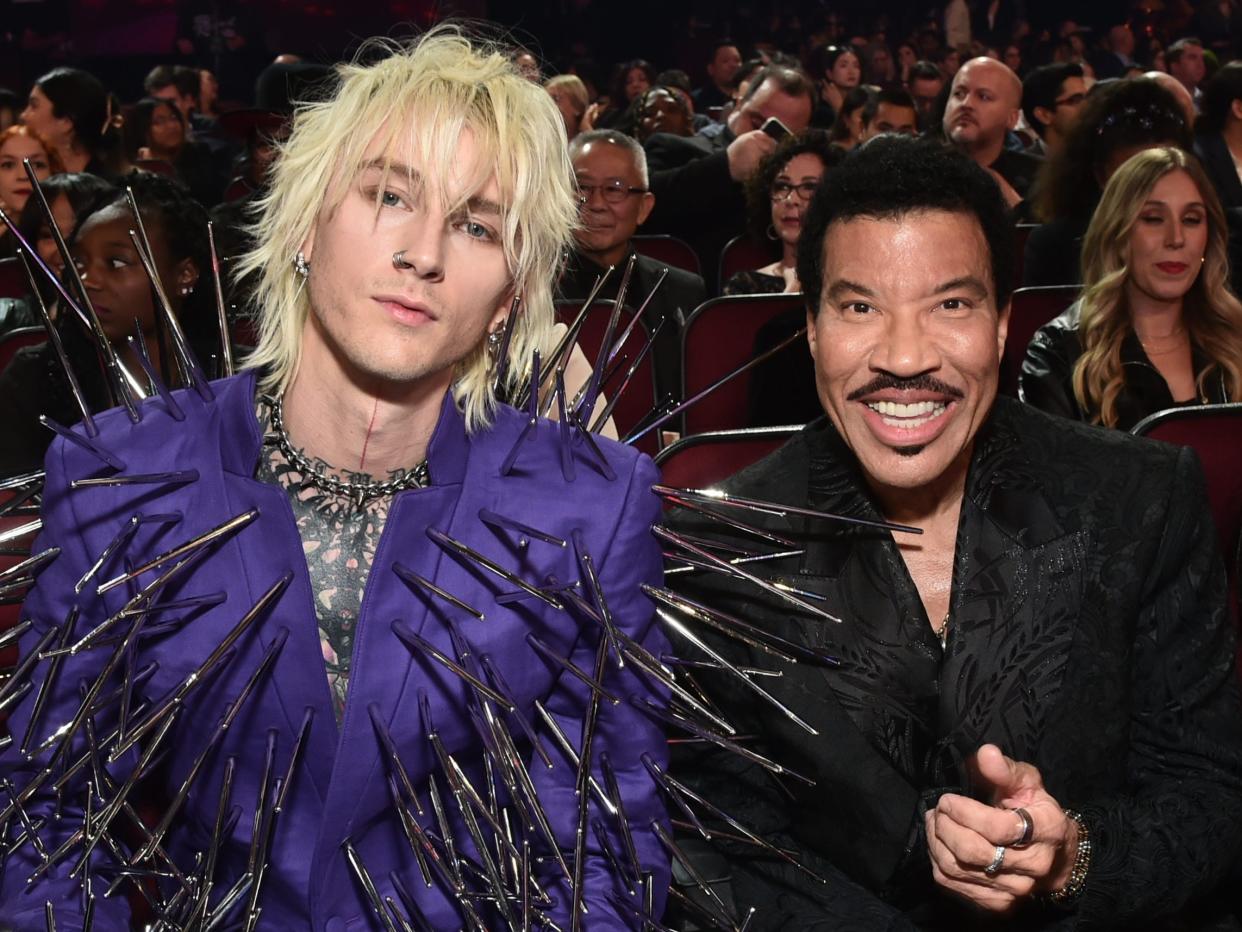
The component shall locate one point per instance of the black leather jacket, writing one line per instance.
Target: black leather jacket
(1046, 377)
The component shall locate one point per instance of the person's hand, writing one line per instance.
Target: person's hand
(963, 835)
(1008, 192)
(592, 114)
(747, 151)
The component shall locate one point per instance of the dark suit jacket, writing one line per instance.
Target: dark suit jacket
(1088, 636)
(1218, 163)
(678, 296)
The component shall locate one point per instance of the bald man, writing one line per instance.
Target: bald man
(1175, 87)
(985, 102)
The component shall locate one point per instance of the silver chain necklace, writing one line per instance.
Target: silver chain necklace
(359, 492)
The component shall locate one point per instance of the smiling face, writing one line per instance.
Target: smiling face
(167, 133)
(1168, 240)
(381, 324)
(789, 199)
(113, 274)
(907, 343)
(14, 184)
(606, 229)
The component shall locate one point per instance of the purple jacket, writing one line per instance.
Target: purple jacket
(340, 791)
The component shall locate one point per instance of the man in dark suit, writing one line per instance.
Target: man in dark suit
(614, 201)
(1030, 708)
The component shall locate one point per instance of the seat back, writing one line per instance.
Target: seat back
(703, 460)
(717, 339)
(14, 340)
(670, 250)
(1021, 233)
(19, 509)
(638, 398)
(1030, 309)
(744, 252)
(13, 281)
(1214, 432)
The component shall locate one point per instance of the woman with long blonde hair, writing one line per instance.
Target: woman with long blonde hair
(1157, 325)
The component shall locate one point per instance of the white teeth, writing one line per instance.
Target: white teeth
(920, 409)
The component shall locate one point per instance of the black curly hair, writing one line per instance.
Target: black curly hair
(759, 186)
(891, 176)
(1122, 115)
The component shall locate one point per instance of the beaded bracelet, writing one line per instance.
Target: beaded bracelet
(1082, 863)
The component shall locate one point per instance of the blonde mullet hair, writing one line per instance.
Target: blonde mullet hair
(1211, 313)
(427, 92)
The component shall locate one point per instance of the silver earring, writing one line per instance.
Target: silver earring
(494, 339)
(398, 261)
(300, 265)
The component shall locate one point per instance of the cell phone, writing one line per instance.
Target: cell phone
(775, 128)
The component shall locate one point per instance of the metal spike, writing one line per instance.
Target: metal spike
(511, 524)
(597, 688)
(122, 539)
(411, 905)
(502, 355)
(562, 741)
(216, 533)
(460, 551)
(688, 863)
(256, 861)
(587, 565)
(614, 863)
(414, 580)
(581, 790)
(176, 477)
(776, 509)
(557, 359)
(48, 686)
(646, 349)
(84, 442)
(412, 640)
(58, 348)
(497, 678)
(623, 820)
(222, 319)
(191, 370)
(562, 426)
(139, 349)
(735, 523)
(637, 435)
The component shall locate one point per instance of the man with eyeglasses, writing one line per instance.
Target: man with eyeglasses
(613, 202)
(1051, 98)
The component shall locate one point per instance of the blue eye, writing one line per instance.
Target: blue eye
(389, 199)
(477, 230)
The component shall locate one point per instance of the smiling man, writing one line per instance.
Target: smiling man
(373, 684)
(1031, 709)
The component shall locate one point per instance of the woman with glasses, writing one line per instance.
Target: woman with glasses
(777, 198)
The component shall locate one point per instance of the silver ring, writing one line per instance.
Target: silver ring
(1028, 829)
(398, 261)
(997, 860)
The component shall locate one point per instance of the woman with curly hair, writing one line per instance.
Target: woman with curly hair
(777, 196)
(1157, 325)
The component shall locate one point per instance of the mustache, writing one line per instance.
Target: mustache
(919, 383)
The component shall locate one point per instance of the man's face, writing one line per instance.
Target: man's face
(1122, 40)
(925, 91)
(607, 226)
(982, 104)
(1067, 105)
(1189, 67)
(907, 343)
(770, 101)
(891, 118)
(662, 113)
(410, 326)
(724, 65)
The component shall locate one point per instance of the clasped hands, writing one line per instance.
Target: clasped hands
(964, 835)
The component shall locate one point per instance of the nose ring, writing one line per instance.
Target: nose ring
(398, 261)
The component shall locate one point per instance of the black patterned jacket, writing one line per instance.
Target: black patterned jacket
(1088, 636)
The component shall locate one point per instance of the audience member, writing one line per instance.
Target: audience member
(957, 23)
(1157, 325)
(614, 201)
(698, 186)
(1116, 53)
(1184, 59)
(878, 65)
(891, 110)
(985, 101)
(926, 84)
(837, 70)
(1011, 56)
(179, 85)
(1175, 87)
(570, 96)
(630, 80)
(155, 131)
(208, 94)
(1117, 121)
(662, 110)
(1028, 713)
(722, 67)
(10, 107)
(677, 81)
(33, 383)
(907, 58)
(1052, 95)
(67, 195)
(527, 65)
(18, 143)
(847, 128)
(69, 108)
(1218, 133)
